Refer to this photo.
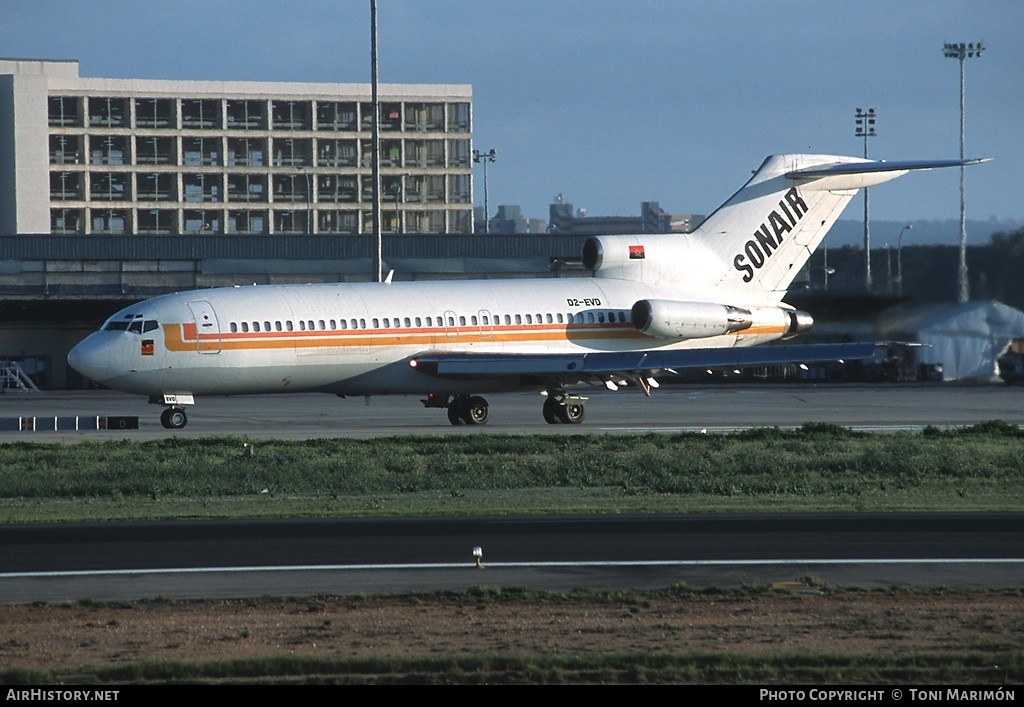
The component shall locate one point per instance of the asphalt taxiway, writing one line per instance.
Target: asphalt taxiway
(182, 559)
(670, 408)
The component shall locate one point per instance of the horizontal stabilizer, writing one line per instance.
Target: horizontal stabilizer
(839, 168)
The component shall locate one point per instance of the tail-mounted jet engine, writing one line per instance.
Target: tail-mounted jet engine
(669, 319)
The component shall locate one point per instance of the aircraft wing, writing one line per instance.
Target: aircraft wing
(599, 363)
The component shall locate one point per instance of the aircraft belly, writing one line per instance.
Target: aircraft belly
(251, 373)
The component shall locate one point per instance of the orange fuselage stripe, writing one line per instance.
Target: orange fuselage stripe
(184, 337)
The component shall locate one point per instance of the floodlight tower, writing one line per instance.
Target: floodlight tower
(960, 52)
(865, 122)
(485, 157)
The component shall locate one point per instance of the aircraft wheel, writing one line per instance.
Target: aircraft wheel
(173, 418)
(551, 411)
(475, 411)
(571, 413)
(455, 413)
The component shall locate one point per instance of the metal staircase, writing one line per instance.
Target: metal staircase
(14, 380)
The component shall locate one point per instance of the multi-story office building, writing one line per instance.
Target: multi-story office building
(128, 156)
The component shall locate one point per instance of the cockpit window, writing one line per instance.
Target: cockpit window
(131, 322)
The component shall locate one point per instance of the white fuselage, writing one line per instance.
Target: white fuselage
(357, 339)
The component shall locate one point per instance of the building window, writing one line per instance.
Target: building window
(108, 112)
(65, 111)
(246, 152)
(200, 113)
(458, 117)
(155, 113)
(155, 150)
(247, 115)
(291, 115)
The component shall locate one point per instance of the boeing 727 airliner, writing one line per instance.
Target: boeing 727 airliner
(656, 303)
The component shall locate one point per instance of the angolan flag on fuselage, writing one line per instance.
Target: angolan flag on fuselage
(636, 252)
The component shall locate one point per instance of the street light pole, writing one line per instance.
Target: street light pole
(899, 260)
(485, 157)
(375, 146)
(865, 122)
(961, 51)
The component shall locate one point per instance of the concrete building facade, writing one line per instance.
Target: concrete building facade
(132, 156)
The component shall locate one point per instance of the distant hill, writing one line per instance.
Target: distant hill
(945, 232)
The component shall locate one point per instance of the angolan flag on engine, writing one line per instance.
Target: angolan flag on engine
(636, 252)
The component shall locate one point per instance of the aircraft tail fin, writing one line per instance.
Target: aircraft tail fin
(767, 231)
(752, 247)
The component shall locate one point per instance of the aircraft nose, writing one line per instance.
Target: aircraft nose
(91, 358)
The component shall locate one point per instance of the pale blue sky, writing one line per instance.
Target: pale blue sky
(614, 103)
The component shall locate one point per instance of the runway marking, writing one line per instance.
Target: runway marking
(502, 565)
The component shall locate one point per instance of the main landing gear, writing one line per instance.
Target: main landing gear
(462, 409)
(467, 409)
(173, 418)
(560, 408)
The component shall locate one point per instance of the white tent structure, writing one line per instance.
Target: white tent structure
(965, 338)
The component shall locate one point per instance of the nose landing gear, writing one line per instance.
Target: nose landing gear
(173, 418)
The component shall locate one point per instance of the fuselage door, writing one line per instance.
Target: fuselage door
(207, 327)
(486, 320)
(451, 325)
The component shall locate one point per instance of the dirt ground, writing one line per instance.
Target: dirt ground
(73, 636)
